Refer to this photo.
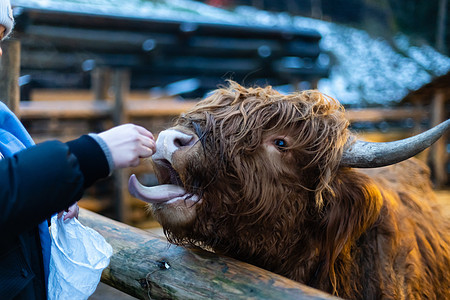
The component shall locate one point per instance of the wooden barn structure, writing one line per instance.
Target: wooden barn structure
(173, 54)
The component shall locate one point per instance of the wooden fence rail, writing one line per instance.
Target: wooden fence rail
(147, 267)
(73, 109)
(97, 109)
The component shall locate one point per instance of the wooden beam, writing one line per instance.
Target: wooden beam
(89, 39)
(438, 153)
(158, 108)
(385, 114)
(164, 25)
(9, 75)
(147, 267)
(101, 82)
(66, 109)
(70, 109)
(121, 86)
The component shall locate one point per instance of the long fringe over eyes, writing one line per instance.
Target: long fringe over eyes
(242, 115)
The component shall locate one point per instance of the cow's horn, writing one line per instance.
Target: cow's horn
(373, 155)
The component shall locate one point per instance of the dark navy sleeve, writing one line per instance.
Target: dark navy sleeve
(45, 179)
(93, 162)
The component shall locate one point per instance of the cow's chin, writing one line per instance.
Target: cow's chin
(176, 216)
(172, 206)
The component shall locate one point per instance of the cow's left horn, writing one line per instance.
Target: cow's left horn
(373, 155)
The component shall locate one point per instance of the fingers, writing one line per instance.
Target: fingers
(144, 132)
(147, 141)
(147, 144)
(144, 152)
(128, 143)
(72, 212)
(147, 147)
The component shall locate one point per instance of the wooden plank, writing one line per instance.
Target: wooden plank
(121, 86)
(100, 40)
(53, 94)
(144, 266)
(98, 109)
(173, 107)
(166, 25)
(101, 81)
(9, 75)
(385, 114)
(158, 108)
(56, 95)
(65, 109)
(95, 39)
(438, 150)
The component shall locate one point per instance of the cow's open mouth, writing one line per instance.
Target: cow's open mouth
(170, 190)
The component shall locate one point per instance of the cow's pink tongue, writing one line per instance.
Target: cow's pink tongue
(154, 194)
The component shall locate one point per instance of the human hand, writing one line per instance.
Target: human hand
(72, 212)
(128, 143)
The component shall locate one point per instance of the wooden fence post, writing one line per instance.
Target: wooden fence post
(101, 82)
(9, 75)
(121, 84)
(438, 150)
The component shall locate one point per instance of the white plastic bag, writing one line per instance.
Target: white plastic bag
(78, 256)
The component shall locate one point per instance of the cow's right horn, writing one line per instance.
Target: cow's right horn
(373, 155)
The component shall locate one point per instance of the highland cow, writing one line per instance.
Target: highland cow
(276, 180)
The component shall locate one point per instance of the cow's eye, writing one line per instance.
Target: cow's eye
(280, 144)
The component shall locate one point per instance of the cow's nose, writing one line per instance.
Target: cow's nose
(170, 141)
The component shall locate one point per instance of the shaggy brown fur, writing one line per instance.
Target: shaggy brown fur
(292, 210)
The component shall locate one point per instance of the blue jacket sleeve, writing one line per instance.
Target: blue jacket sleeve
(45, 179)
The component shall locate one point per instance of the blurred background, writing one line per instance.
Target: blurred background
(86, 65)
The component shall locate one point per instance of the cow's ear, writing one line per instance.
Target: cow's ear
(352, 209)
